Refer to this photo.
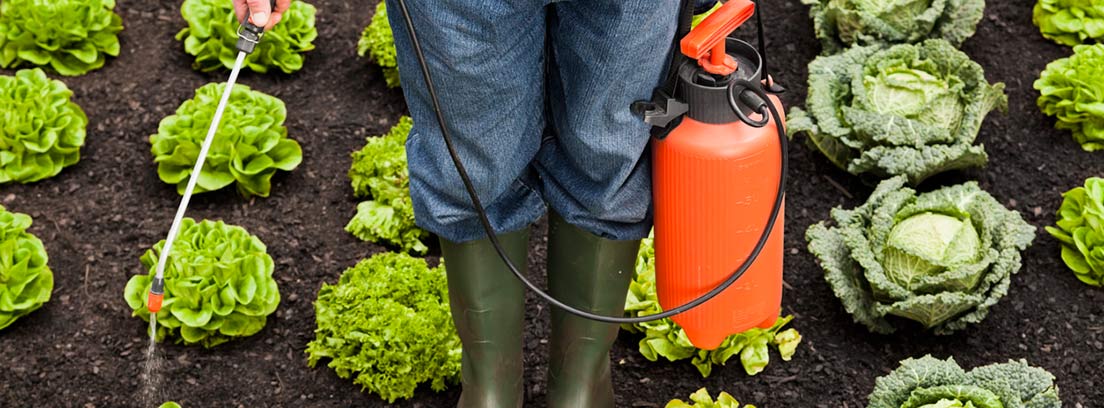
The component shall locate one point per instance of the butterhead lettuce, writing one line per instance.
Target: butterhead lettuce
(1080, 229)
(1070, 22)
(702, 399)
(41, 129)
(251, 143)
(71, 36)
(218, 284)
(25, 279)
(212, 37)
(1072, 90)
(664, 338)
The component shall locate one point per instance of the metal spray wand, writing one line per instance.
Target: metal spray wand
(249, 35)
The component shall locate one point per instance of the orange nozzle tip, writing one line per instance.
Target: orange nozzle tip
(154, 304)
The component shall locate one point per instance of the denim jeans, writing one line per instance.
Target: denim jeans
(536, 94)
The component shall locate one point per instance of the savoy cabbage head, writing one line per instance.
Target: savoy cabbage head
(842, 23)
(1072, 90)
(941, 258)
(25, 279)
(41, 129)
(218, 284)
(910, 110)
(1080, 229)
(387, 324)
(212, 36)
(251, 143)
(665, 338)
(1070, 22)
(71, 36)
(378, 42)
(928, 382)
(379, 170)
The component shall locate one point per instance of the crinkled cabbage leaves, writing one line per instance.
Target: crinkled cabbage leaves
(912, 110)
(941, 259)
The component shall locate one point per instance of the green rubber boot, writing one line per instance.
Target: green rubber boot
(593, 274)
(488, 307)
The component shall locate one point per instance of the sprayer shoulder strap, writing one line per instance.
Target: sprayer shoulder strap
(664, 111)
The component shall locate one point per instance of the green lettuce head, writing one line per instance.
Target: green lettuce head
(379, 170)
(387, 325)
(941, 258)
(1070, 22)
(212, 37)
(928, 382)
(1072, 90)
(71, 36)
(251, 143)
(842, 23)
(218, 284)
(1081, 231)
(41, 129)
(378, 43)
(910, 110)
(25, 279)
(665, 338)
(702, 399)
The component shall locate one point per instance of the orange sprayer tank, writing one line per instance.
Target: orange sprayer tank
(715, 179)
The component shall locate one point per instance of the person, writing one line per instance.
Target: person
(537, 96)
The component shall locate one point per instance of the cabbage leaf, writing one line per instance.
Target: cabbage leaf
(842, 23)
(941, 259)
(912, 110)
(928, 382)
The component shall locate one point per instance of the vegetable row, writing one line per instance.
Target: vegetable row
(892, 100)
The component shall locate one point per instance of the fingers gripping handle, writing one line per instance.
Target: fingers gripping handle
(249, 34)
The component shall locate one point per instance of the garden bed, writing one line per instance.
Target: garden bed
(96, 218)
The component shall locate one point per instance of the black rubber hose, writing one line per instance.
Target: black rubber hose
(775, 210)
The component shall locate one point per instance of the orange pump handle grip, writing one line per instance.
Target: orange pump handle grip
(706, 42)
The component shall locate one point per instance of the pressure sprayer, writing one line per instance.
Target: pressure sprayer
(249, 35)
(717, 161)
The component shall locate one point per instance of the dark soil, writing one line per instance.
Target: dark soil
(97, 217)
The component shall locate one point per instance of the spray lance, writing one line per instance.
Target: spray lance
(718, 181)
(249, 35)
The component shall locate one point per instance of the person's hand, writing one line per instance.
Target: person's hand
(260, 11)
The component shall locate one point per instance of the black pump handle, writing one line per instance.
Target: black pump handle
(249, 34)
